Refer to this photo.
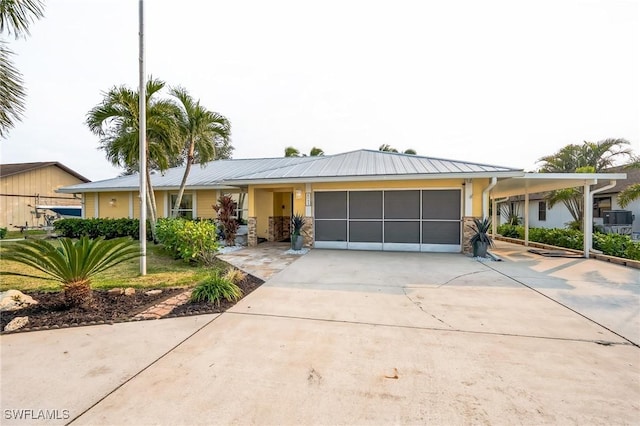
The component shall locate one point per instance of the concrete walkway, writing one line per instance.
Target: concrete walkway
(347, 338)
(262, 261)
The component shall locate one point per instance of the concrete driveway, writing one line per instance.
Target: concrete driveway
(355, 338)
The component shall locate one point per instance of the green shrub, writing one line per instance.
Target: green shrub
(609, 244)
(215, 288)
(3, 233)
(106, 228)
(187, 239)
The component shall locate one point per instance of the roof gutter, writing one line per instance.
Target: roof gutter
(604, 188)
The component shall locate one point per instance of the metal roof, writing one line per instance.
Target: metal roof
(355, 165)
(543, 182)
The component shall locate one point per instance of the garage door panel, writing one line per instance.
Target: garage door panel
(365, 232)
(441, 204)
(365, 205)
(440, 232)
(331, 205)
(331, 230)
(402, 232)
(402, 205)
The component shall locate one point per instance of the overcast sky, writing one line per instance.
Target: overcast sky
(497, 82)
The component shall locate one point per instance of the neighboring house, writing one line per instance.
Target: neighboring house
(363, 199)
(542, 216)
(26, 190)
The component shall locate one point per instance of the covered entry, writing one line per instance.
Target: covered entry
(400, 220)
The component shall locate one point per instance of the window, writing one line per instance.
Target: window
(186, 206)
(542, 210)
(600, 205)
(242, 207)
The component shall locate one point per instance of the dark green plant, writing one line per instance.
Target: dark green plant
(511, 231)
(3, 233)
(511, 213)
(297, 222)
(481, 227)
(94, 228)
(73, 264)
(214, 288)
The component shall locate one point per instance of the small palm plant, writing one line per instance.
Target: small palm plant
(73, 264)
(216, 287)
(481, 239)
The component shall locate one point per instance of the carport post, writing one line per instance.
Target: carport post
(587, 220)
(494, 217)
(526, 218)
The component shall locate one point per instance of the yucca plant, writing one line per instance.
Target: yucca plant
(73, 264)
(481, 239)
(215, 288)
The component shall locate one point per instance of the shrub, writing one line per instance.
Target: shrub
(235, 275)
(511, 231)
(215, 288)
(187, 239)
(106, 228)
(3, 233)
(226, 209)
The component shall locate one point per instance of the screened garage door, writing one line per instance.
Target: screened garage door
(406, 220)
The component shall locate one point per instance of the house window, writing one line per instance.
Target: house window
(542, 210)
(600, 205)
(242, 207)
(186, 206)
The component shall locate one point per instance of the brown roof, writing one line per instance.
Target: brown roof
(633, 177)
(17, 168)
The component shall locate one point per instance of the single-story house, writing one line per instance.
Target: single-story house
(363, 199)
(28, 190)
(542, 215)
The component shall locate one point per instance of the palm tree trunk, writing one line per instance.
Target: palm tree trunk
(78, 294)
(183, 184)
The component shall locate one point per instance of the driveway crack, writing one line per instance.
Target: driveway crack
(460, 276)
(419, 305)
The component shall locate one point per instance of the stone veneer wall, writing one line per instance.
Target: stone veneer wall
(279, 228)
(252, 231)
(467, 233)
(307, 231)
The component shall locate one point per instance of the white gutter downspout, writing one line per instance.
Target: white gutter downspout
(494, 215)
(485, 197)
(587, 225)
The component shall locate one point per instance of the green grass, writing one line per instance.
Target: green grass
(17, 234)
(162, 271)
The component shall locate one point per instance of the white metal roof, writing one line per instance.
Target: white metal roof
(355, 165)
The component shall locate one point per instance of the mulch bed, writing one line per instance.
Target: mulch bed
(51, 312)
(247, 285)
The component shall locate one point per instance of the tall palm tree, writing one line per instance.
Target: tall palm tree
(590, 157)
(201, 130)
(116, 121)
(15, 18)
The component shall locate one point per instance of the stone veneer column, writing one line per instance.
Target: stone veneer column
(272, 229)
(307, 232)
(467, 233)
(252, 231)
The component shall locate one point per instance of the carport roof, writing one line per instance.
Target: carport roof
(531, 183)
(355, 165)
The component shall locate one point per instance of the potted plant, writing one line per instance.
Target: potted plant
(481, 240)
(297, 240)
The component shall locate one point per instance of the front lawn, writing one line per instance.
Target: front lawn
(162, 271)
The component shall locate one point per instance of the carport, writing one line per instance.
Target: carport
(531, 183)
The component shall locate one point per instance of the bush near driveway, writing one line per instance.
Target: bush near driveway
(610, 244)
(188, 240)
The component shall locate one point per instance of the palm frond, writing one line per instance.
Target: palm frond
(12, 92)
(629, 194)
(17, 15)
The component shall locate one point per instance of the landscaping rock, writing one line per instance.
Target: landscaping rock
(17, 323)
(116, 291)
(13, 300)
(129, 291)
(153, 292)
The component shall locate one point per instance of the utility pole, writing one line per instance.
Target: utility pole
(142, 144)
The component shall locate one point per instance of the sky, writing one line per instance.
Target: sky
(496, 82)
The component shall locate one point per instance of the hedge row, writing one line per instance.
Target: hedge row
(107, 228)
(610, 244)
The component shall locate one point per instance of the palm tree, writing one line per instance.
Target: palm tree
(410, 151)
(115, 120)
(316, 152)
(15, 18)
(200, 129)
(387, 148)
(590, 157)
(291, 152)
(629, 194)
(72, 264)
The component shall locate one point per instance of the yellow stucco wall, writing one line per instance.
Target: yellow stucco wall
(120, 208)
(22, 188)
(206, 200)
(263, 206)
(89, 205)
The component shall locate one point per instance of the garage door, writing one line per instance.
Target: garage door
(401, 220)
